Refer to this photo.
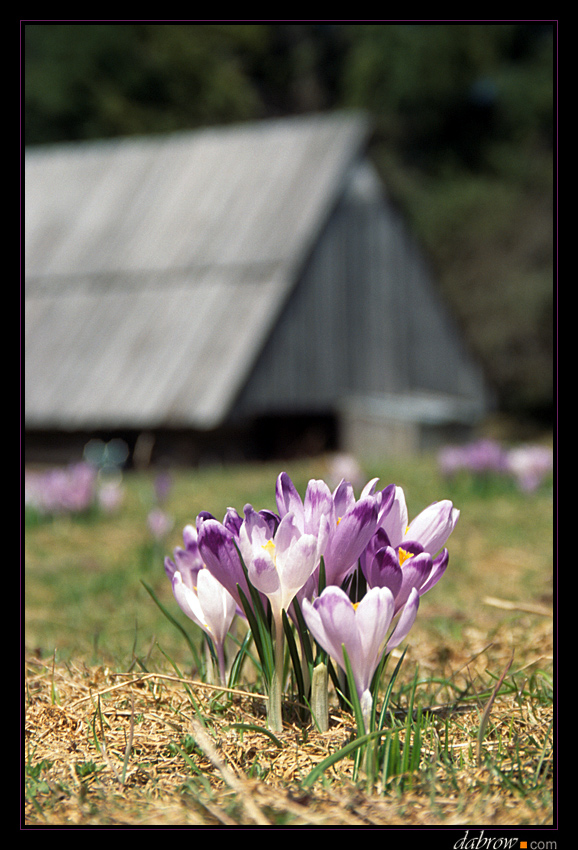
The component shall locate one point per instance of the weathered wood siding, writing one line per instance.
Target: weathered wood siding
(363, 320)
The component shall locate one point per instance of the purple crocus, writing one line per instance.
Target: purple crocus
(278, 561)
(188, 559)
(402, 556)
(210, 606)
(335, 622)
(218, 550)
(342, 524)
(402, 569)
(431, 528)
(530, 465)
(200, 595)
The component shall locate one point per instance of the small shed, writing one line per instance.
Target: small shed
(237, 291)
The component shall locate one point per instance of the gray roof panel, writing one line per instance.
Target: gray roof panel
(156, 267)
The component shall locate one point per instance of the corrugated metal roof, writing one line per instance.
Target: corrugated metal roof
(155, 267)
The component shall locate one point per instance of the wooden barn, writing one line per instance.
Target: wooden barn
(244, 291)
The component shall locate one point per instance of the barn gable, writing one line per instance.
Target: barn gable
(205, 278)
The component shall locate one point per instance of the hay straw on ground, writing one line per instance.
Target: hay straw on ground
(110, 745)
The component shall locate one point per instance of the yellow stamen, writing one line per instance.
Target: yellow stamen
(403, 555)
(269, 547)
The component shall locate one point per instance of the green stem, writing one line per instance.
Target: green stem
(221, 660)
(274, 714)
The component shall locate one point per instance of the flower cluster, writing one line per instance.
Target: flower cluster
(527, 464)
(71, 489)
(348, 571)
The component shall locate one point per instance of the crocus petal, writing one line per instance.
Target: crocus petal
(433, 526)
(254, 531)
(343, 497)
(439, 566)
(287, 533)
(263, 574)
(384, 570)
(414, 573)
(405, 622)
(387, 502)
(349, 539)
(296, 565)
(369, 488)
(318, 503)
(395, 521)
(187, 600)
(331, 620)
(373, 617)
(217, 605)
(288, 499)
(232, 521)
(378, 541)
(220, 555)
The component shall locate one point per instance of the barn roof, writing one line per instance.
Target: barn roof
(155, 267)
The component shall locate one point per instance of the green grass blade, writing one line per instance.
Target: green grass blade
(294, 657)
(261, 637)
(387, 697)
(344, 752)
(175, 623)
(242, 654)
(353, 696)
(303, 632)
(254, 727)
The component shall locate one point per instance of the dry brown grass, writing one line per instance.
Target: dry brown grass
(81, 721)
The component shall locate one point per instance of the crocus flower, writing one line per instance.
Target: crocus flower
(278, 557)
(110, 495)
(219, 549)
(209, 605)
(336, 622)
(277, 565)
(431, 528)
(159, 523)
(199, 595)
(220, 555)
(62, 490)
(402, 556)
(529, 465)
(188, 560)
(480, 457)
(402, 570)
(342, 524)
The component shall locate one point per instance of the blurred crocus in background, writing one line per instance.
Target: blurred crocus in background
(61, 490)
(479, 456)
(528, 465)
(344, 467)
(110, 494)
(159, 523)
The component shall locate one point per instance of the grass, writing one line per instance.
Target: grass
(121, 729)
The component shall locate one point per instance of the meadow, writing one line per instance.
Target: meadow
(124, 726)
